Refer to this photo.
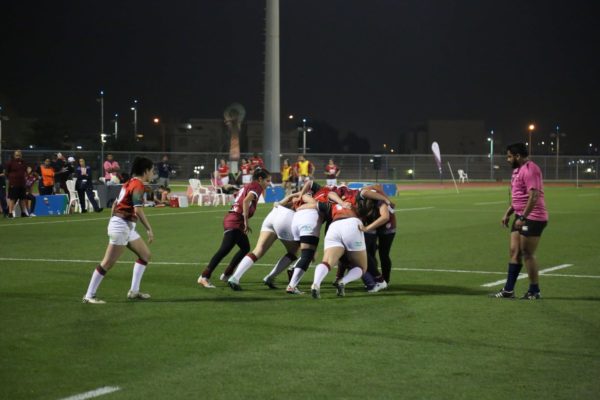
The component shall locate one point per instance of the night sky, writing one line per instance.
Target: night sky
(375, 67)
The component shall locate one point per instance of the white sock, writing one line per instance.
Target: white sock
(320, 273)
(242, 267)
(136, 278)
(281, 265)
(352, 275)
(94, 283)
(298, 273)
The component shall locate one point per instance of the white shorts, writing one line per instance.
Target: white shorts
(121, 232)
(345, 233)
(332, 182)
(306, 223)
(279, 221)
(246, 179)
(225, 180)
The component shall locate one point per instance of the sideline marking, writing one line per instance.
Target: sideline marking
(200, 263)
(490, 202)
(93, 393)
(521, 276)
(64, 221)
(412, 209)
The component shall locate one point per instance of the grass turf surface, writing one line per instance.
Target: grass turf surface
(430, 335)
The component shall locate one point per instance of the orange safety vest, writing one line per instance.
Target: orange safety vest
(47, 175)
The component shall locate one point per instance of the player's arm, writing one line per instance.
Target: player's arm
(246, 209)
(534, 195)
(338, 172)
(139, 211)
(506, 217)
(384, 217)
(290, 198)
(373, 194)
(333, 196)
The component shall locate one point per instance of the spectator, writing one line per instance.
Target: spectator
(61, 173)
(164, 170)
(30, 178)
(111, 170)
(256, 162)
(303, 169)
(3, 203)
(223, 171)
(15, 170)
(245, 171)
(84, 186)
(286, 176)
(46, 172)
(332, 172)
(162, 197)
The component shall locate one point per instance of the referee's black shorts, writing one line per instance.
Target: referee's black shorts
(530, 228)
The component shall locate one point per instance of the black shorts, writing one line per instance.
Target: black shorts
(16, 193)
(530, 227)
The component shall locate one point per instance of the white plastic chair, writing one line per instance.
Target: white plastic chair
(73, 197)
(462, 176)
(203, 194)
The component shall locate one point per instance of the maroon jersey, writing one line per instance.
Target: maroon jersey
(16, 169)
(131, 196)
(235, 217)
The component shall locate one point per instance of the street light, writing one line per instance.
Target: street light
(304, 129)
(531, 128)
(116, 126)
(491, 140)
(557, 135)
(102, 134)
(163, 134)
(134, 109)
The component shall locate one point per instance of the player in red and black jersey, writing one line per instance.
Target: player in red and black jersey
(236, 227)
(126, 211)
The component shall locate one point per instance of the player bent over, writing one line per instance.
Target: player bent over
(236, 227)
(276, 225)
(531, 217)
(126, 210)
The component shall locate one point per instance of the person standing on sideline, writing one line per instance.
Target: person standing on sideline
(332, 171)
(84, 186)
(223, 172)
(15, 171)
(531, 217)
(286, 176)
(61, 174)
(30, 177)
(164, 170)
(256, 162)
(126, 210)
(46, 172)
(3, 203)
(111, 168)
(237, 228)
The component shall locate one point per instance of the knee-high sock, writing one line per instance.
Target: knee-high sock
(97, 277)
(244, 265)
(352, 275)
(321, 272)
(298, 273)
(512, 276)
(281, 265)
(138, 271)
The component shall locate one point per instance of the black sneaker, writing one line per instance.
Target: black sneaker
(504, 294)
(269, 283)
(341, 289)
(234, 285)
(531, 296)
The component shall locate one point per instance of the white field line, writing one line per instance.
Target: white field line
(490, 203)
(202, 263)
(413, 209)
(588, 194)
(65, 221)
(93, 393)
(521, 276)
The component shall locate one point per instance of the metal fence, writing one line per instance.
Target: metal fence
(357, 166)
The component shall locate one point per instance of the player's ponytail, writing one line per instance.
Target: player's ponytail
(260, 173)
(140, 165)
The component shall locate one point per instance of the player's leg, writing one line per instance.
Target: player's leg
(265, 241)
(140, 248)
(229, 240)
(529, 245)
(243, 243)
(385, 246)
(308, 247)
(372, 275)
(112, 254)
(291, 250)
(514, 266)
(330, 257)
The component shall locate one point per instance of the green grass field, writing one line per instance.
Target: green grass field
(434, 334)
